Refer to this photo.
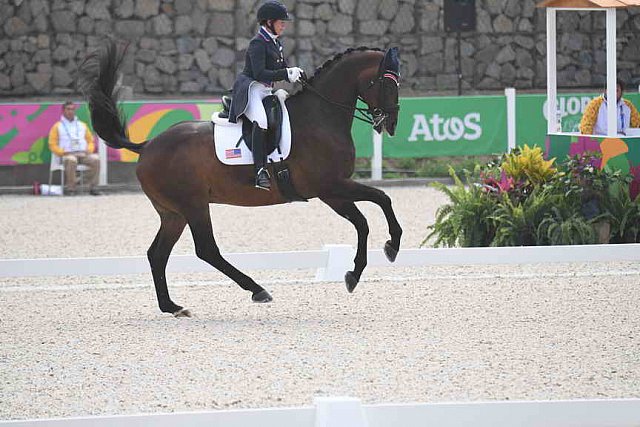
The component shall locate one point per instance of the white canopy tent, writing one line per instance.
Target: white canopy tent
(608, 6)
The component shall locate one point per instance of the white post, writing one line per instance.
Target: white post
(339, 261)
(612, 121)
(551, 70)
(510, 93)
(339, 412)
(376, 160)
(102, 152)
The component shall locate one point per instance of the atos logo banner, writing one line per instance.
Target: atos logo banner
(437, 128)
(449, 126)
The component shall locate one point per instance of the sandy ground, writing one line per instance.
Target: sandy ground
(73, 346)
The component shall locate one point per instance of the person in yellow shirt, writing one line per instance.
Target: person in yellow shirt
(594, 119)
(72, 140)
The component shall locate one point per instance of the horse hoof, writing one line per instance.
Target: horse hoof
(261, 297)
(183, 312)
(390, 252)
(351, 281)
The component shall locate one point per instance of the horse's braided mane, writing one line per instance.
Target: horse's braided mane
(330, 62)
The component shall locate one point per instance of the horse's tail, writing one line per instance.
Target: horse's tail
(97, 80)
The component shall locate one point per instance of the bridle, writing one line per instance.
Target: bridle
(374, 116)
(380, 114)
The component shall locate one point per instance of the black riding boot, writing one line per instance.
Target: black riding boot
(258, 140)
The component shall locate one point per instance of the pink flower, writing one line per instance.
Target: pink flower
(506, 183)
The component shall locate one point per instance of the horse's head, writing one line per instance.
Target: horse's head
(380, 92)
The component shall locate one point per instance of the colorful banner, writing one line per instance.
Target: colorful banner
(620, 154)
(531, 115)
(443, 126)
(24, 128)
(427, 127)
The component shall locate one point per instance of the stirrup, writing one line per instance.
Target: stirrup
(263, 179)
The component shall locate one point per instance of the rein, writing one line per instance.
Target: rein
(373, 116)
(368, 116)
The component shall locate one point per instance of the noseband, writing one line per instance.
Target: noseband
(374, 116)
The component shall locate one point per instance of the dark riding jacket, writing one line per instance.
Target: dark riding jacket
(265, 63)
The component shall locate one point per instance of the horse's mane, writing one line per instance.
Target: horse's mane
(329, 63)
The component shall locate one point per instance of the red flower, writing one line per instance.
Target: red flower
(506, 183)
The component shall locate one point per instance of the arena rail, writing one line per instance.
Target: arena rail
(330, 263)
(349, 412)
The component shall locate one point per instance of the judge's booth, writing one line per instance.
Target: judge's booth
(619, 150)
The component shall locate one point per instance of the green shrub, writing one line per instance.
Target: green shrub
(466, 221)
(523, 199)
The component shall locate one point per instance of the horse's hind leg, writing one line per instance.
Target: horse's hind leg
(207, 250)
(171, 227)
(357, 192)
(347, 209)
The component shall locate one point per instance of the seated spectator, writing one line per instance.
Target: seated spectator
(594, 119)
(72, 140)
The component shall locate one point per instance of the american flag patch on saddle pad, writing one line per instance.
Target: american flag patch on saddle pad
(231, 148)
(232, 153)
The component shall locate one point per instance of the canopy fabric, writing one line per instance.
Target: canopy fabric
(589, 3)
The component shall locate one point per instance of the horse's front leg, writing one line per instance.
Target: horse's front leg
(357, 192)
(347, 209)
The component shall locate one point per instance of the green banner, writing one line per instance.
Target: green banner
(531, 115)
(444, 126)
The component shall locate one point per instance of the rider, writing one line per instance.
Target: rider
(264, 64)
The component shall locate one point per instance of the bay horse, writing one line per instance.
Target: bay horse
(179, 172)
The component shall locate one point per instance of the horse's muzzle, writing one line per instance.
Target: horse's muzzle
(390, 123)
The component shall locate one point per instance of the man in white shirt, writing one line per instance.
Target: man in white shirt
(594, 119)
(72, 140)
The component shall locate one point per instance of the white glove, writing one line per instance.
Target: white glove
(294, 74)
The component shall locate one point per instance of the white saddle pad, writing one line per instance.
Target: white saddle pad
(226, 136)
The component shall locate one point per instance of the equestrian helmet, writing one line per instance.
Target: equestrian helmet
(273, 10)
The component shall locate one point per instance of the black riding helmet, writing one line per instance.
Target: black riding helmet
(273, 10)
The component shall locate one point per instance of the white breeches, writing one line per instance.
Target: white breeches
(255, 110)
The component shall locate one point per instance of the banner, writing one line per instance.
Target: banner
(444, 126)
(531, 115)
(24, 128)
(620, 154)
(427, 127)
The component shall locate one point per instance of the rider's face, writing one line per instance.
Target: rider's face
(279, 26)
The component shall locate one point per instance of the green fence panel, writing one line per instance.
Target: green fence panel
(444, 126)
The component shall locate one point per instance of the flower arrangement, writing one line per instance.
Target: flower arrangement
(523, 199)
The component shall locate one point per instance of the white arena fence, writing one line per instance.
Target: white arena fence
(331, 262)
(348, 412)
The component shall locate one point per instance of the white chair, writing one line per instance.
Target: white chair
(57, 165)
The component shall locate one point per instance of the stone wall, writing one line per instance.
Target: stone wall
(187, 47)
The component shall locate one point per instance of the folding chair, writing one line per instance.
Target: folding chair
(57, 165)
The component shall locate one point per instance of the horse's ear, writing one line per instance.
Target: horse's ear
(391, 61)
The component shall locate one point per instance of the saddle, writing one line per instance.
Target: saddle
(230, 149)
(274, 119)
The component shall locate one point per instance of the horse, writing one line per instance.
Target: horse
(180, 174)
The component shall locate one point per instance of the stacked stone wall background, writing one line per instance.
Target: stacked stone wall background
(187, 47)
